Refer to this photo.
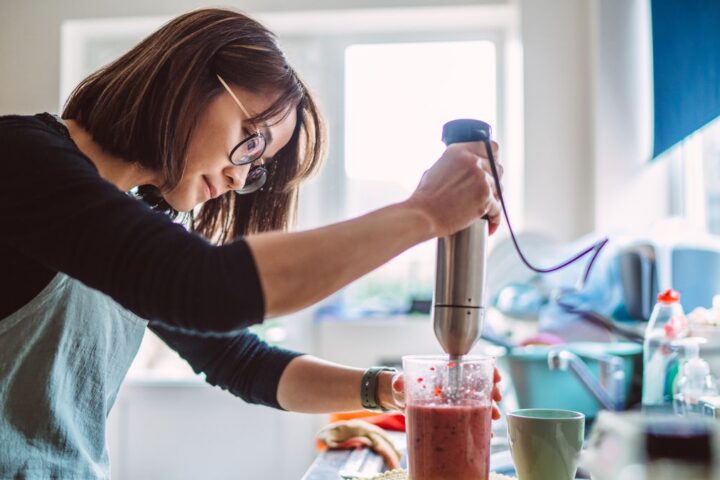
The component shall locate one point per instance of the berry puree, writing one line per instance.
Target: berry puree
(449, 442)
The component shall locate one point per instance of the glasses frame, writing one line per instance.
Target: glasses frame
(258, 173)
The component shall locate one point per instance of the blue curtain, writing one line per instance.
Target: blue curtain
(686, 68)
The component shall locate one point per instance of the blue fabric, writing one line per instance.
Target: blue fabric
(63, 357)
(686, 68)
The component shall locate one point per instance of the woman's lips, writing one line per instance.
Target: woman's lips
(212, 193)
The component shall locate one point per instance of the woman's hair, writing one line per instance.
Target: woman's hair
(143, 107)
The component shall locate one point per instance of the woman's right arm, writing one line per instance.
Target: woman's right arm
(57, 211)
(300, 268)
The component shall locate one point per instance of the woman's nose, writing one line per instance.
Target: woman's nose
(236, 176)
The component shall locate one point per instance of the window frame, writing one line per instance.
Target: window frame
(688, 188)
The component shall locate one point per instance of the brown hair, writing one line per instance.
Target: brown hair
(143, 106)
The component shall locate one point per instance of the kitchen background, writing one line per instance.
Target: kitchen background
(566, 84)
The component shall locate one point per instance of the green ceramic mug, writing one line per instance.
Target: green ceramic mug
(545, 443)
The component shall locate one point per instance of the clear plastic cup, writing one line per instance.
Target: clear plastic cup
(448, 431)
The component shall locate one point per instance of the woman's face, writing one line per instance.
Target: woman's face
(208, 172)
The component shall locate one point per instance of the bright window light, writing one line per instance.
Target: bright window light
(397, 97)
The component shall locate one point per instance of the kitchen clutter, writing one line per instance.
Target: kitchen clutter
(638, 446)
(623, 351)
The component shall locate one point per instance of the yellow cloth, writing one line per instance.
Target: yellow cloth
(355, 433)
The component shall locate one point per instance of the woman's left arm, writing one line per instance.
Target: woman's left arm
(312, 385)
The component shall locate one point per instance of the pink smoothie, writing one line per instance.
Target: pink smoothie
(448, 442)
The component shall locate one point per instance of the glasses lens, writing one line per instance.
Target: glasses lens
(249, 150)
(257, 176)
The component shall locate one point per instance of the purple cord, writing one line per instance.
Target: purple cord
(596, 247)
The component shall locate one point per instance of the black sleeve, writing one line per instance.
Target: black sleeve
(242, 364)
(57, 210)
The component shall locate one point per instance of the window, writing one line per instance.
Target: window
(711, 164)
(397, 97)
(698, 162)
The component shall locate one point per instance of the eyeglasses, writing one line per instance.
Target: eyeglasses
(249, 151)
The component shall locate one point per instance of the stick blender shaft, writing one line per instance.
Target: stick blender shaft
(460, 276)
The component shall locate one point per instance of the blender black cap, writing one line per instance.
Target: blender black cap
(689, 442)
(465, 130)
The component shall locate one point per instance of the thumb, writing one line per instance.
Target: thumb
(398, 390)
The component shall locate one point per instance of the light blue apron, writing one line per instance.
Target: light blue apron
(63, 357)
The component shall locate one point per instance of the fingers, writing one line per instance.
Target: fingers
(493, 213)
(398, 383)
(493, 206)
(398, 390)
(484, 163)
(496, 395)
(478, 148)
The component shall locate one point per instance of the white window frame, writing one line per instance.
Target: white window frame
(688, 192)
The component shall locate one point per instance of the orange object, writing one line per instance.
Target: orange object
(336, 417)
(394, 421)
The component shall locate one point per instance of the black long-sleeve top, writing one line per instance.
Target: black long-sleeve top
(58, 215)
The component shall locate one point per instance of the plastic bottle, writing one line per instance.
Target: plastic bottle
(695, 380)
(667, 324)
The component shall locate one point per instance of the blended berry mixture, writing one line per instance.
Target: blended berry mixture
(449, 442)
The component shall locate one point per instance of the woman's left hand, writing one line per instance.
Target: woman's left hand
(391, 393)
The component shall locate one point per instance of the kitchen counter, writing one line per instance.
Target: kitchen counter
(329, 464)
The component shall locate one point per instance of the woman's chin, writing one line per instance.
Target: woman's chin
(183, 205)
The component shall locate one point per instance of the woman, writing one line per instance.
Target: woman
(203, 122)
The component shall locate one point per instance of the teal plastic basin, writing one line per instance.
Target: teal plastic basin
(537, 386)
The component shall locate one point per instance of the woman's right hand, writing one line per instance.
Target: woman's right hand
(459, 188)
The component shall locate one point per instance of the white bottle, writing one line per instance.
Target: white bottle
(695, 379)
(667, 323)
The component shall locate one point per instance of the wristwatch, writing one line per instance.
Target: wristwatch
(368, 388)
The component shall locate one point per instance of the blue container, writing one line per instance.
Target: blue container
(537, 386)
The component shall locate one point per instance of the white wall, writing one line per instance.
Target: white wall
(558, 127)
(631, 193)
(188, 431)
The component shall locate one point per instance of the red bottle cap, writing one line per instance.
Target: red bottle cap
(669, 296)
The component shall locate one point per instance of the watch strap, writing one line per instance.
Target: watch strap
(368, 387)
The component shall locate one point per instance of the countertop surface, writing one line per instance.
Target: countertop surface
(328, 465)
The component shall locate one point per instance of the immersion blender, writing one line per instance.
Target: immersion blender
(461, 260)
(459, 305)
